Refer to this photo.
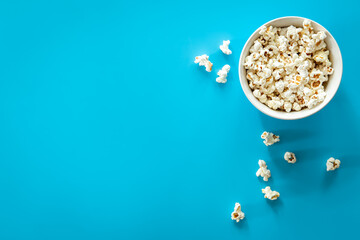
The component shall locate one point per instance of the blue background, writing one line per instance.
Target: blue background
(108, 130)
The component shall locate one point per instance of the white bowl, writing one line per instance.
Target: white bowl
(332, 84)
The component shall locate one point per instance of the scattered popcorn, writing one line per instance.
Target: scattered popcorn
(269, 138)
(332, 164)
(263, 171)
(203, 60)
(290, 157)
(288, 67)
(225, 47)
(223, 74)
(272, 195)
(237, 214)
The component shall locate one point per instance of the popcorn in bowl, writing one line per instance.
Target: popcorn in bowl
(287, 68)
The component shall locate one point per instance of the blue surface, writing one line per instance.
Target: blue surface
(108, 130)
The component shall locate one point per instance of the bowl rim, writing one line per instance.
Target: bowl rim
(280, 114)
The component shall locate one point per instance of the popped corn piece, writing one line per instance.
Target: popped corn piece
(277, 74)
(294, 46)
(287, 106)
(321, 94)
(275, 104)
(290, 157)
(269, 138)
(255, 56)
(316, 98)
(257, 93)
(263, 171)
(252, 77)
(291, 98)
(307, 91)
(280, 86)
(312, 102)
(268, 33)
(327, 63)
(269, 194)
(320, 45)
(289, 68)
(270, 88)
(307, 24)
(249, 63)
(332, 164)
(278, 64)
(304, 40)
(262, 30)
(303, 69)
(272, 49)
(225, 47)
(256, 47)
(296, 106)
(316, 84)
(296, 81)
(287, 94)
(264, 53)
(328, 70)
(237, 214)
(223, 74)
(321, 35)
(298, 60)
(251, 85)
(321, 56)
(282, 43)
(203, 60)
(317, 75)
(263, 98)
(265, 73)
(307, 29)
(319, 40)
(311, 47)
(292, 33)
(301, 101)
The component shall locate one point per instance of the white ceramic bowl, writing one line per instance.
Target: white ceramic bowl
(332, 84)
